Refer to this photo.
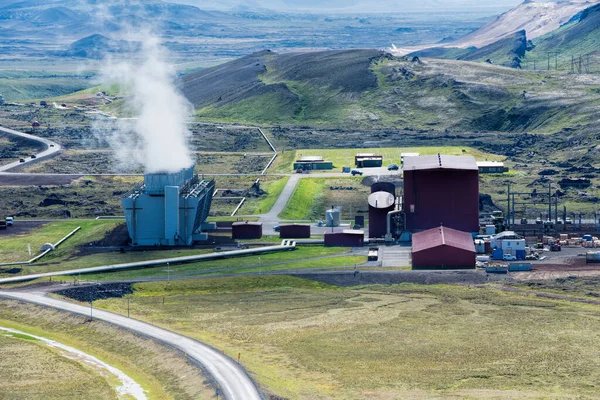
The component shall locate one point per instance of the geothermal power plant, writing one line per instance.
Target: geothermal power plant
(169, 209)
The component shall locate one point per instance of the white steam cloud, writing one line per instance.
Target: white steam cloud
(157, 135)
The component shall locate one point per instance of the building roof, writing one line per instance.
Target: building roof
(491, 164)
(440, 161)
(247, 223)
(365, 154)
(441, 236)
(506, 235)
(409, 154)
(311, 159)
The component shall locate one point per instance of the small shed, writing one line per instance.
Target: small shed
(368, 160)
(347, 238)
(309, 163)
(246, 230)
(491, 167)
(294, 231)
(443, 247)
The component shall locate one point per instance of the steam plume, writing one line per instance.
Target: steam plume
(157, 137)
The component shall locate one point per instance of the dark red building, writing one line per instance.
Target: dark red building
(347, 238)
(294, 231)
(246, 230)
(441, 190)
(443, 247)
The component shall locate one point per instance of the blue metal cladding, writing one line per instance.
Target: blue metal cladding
(168, 215)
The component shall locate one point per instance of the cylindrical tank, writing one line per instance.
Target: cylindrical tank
(380, 204)
(383, 187)
(592, 257)
(332, 217)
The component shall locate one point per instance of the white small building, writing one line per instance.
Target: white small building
(491, 167)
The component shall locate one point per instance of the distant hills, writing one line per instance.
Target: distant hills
(363, 89)
(579, 35)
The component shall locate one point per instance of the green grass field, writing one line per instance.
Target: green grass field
(15, 247)
(308, 340)
(313, 196)
(301, 258)
(29, 373)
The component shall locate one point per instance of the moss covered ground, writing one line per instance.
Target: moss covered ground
(307, 340)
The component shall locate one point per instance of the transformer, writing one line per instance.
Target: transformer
(169, 209)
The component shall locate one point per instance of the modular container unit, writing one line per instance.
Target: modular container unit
(443, 190)
(443, 247)
(513, 244)
(294, 231)
(518, 267)
(497, 254)
(313, 166)
(496, 270)
(246, 230)
(347, 238)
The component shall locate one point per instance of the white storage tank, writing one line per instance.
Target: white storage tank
(332, 217)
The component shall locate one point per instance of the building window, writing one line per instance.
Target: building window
(412, 208)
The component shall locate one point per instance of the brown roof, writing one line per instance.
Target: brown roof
(246, 223)
(441, 236)
(440, 161)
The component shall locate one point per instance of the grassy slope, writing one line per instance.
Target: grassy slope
(579, 37)
(302, 205)
(29, 370)
(164, 373)
(301, 258)
(303, 340)
(14, 247)
(430, 95)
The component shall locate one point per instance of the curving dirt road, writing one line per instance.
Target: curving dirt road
(234, 382)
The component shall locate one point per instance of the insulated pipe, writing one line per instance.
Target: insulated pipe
(286, 245)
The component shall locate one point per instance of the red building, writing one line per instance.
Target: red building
(347, 238)
(441, 190)
(294, 231)
(443, 247)
(246, 230)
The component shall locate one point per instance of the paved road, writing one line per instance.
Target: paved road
(235, 383)
(51, 148)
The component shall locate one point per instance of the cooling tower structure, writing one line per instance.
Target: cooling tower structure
(169, 209)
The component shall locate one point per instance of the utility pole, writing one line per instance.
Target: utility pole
(572, 64)
(549, 61)
(549, 203)
(580, 59)
(556, 61)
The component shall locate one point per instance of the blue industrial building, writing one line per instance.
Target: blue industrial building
(169, 209)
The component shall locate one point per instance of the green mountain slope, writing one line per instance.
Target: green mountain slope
(372, 89)
(581, 36)
(507, 51)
